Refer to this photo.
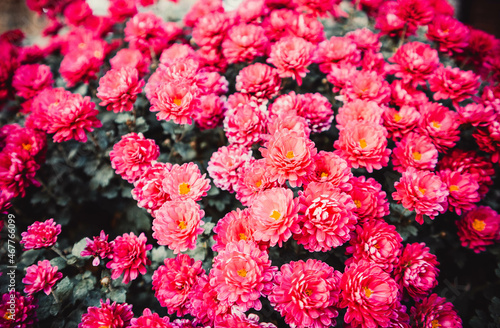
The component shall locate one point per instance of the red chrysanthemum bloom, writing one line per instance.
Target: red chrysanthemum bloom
(41, 276)
(488, 140)
(132, 155)
(365, 39)
(17, 171)
(403, 94)
(317, 110)
(203, 303)
(174, 281)
(463, 190)
(242, 273)
(29, 80)
(335, 51)
(17, 310)
(186, 182)
(254, 177)
(245, 124)
(118, 89)
(359, 111)
(363, 145)
(417, 270)
(211, 29)
(434, 311)
(129, 257)
(275, 212)
(440, 124)
(451, 35)
(148, 190)
(40, 235)
(414, 62)
(478, 228)
(453, 83)
(244, 43)
(330, 167)
(369, 198)
(177, 224)
(326, 217)
(367, 85)
(422, 191)
(415, 12)
(291, 55)
(116, 315)
(476, 114)
(370, 295)
(132, 58)
(149, 319)
(307, 294)
(175, 101)
(99, 248)
(210, 112)
(259, 80)
(224, 164)
(416, 151)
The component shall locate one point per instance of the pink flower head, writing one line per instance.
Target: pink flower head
(22, 314)
(335, 51)
(388, 22)
(224, 164)
(478, 228)
(116, 315)
(238, 319)
(400, 123)
(374, 61)
(340, 74)
(259, 80)
(369, 293)
(251, 11)
(422, 191)
(175, 101)
(287, 120)
(132, 155)
(440, 124)
(32, 141)
(17, 172)
(244, 43)
(83, 63)
(176, 51)
(41, 276)
(291, 56)
(245, 125)
(132, 58)
(289, 156)
(29, 80)
(317, 110)
(77, 12)
(417, 271)
(306, 27)
(453, 83)
(241, 274)
(253, 178)
(330, 167)
(488, 140)
(174, 281)
(414, 150)
(367, 85)
(371, 202)
(235, 226)
(99, 248)
(363, 145)
(415, 12)
(365, 39)
(476, 114)
(177, 224)
(210, 112)
(326, 217)
(48, 98)
(435, 311)
(449, 33)
(359, 111)
(307, 294)
(201, 9)
(129, 257)
(211, 83)
(204, 304)
(149, 319)
(463, 190)
(211, 29)
(186, 182)
(414, 62)
(275, 212)
(41, 235)
(118, 89)
(403, 94)
(120, 10)
(148, 190)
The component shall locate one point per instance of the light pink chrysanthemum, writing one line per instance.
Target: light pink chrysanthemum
(244, 42)
(118, 89)
(211, 29)
(40, 235)
(245, 125)
(340, 74)
(453, 83)
(204, 304)
(305, 26)
(369, 198)
(335, 51)
(365, 39)
(149, 319)
(132, 58)
(478, 228)
(148, 190)
(175, 101)
(200, 9)
(414, 150)
(422, 191)
(440, 124)
(449, 33)
(224, 164)
(253, 179)
(41, 276)
(186, 182)
(29, 80)
(242, 273)
(330, 167)
(399, 123)
(463, 190)
(307, 294)
(434, 311)
(176, 51)
(359, 111)
(108, 315)
(210, 112)
(99, 248)
(259, 80)
(367, 85)
(289, 121)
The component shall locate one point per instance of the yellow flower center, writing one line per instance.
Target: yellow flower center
(275, 215)
(308, 292)
(478, 225)
(422, 190)
(182, 225)
(357, 203)
(397, 117)
(324, 174)
(290, 154)
(7, 316)
(27, 146)
(454, 188)
(417, 155)
(184, 188)
(82, 45)
(362, 143)
(242, 236)
(97, 54)
(178, 101)
(436, 124)
(368, 292)
(242, 273)
(435, 324)
(258, 184)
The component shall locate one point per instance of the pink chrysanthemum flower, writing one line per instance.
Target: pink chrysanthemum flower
(287, 120)
(254, 177)
(41, 276)
(305, 26)
(121, 10)
(211, 29)
(40, 235)
(440, 124)
(335, 51)
(414, 62)
(403, 94)
(363, 145)
(116, 315)
(416, 151)
(251, 11)
(148, 190)
(29, 80)
(175, 101)
(340, 74)
(329, 167)
(365, 39)
(237, 319)
(369, 198)
(245, 125)
(400, 123)
(241, 274)
(235, 226)
(224, 164)
(449, 33)
(463, 190)
(422, 191)
(32, 141)
(415, 12)
(326, 217)
(186, 182)
(118, 89)
(374, 61)
(289, 156)
(17, 171)
(291, 56)
(259, 80)
(478, 228)
(177, 224)
(476, 114)
(174, 281)
(434, 311)
(307, 294)
(204, 304)
(176, 51)
(129, 257)
(200, 9)
(359, 111)
(453, 83)
(387, 21)
(367, 85)
(22, 315)
(149, 319)
(99, 248)
(488, 140)
(132, 58)
(210, 112)
(244, 43)
(211, 83)
(132, 155)
(275, 212)
(40, 106)
(369, 293)
(417, 270)
(317, 110)
(286, 103)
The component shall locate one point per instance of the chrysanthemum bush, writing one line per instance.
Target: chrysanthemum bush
(266, 164)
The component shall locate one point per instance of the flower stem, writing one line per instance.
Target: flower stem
(58, 251)
(403, 35)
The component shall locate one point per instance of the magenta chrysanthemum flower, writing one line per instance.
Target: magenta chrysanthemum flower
(29, 80)
(399, 123)
(259, 80)
(241, 274)
(244, 42)
(434, 311)
(132, 155)
(224, 164)
(417, 270)
(422, 191)
(330, 167)
(17, 171)
(488, 140)
(403, 94)
(238, 319)
(416, 151)
(116, 315)
(369, 198)
(177, 224)
(186, 182)
(326, 217)
(40, 235)
(336, 51)
(317, 110)
(211, 29)
(476, 114)
(148, 190)
(453, 83)
(118, 89)
(449, 33)
(132, 58)
(210, 113)
(307, 294)
(289, 121)
(245, 124)
(173, 282)
(129, 257)
(175, 101)
(99, 248)
(149, 319)
(463, 190)
(440, 124)
(415, 12)
(41, 276)
(365, 39)
(478, 228)
(253, 179)
(359, 111)
(21, 313)
(204, 304)
(367, 85)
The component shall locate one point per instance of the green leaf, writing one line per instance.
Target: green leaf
(102, 177)
(118, 295)
(79, 247)
(63, 289)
